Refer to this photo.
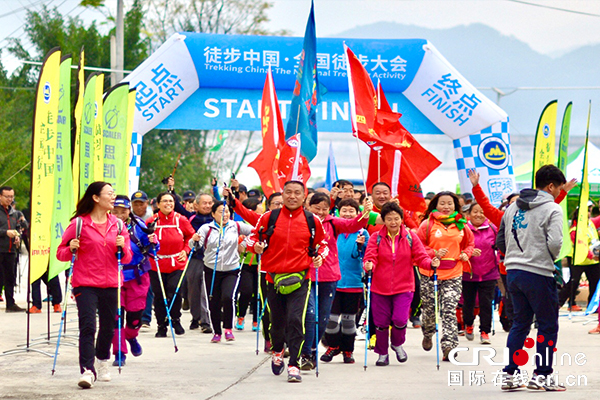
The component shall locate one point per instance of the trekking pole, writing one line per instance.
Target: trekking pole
(182, 276)
(64, 310)
(261, 231)
(212, 283)
(162, 288)
(436, 309)
(317, 320)
(368, 300)
(493, 310)
(119, 312)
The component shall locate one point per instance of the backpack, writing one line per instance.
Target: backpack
(310, 220)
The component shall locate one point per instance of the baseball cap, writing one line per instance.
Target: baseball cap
(189, 195)
(139, 195)
(122, 202)
(254, 193)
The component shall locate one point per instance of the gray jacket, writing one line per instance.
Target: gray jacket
(229, 257)
(530, 234)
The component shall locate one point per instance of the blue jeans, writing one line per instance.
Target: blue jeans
(533, 294)
(147, 316)
(326, 295)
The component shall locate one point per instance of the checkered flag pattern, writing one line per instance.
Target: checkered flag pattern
(488, 151)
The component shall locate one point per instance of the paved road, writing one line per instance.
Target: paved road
(201, 370)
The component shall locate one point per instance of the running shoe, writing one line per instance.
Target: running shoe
(546, 383)
(277, 364)
(484, 338)
(595, 331)
(330, 353)
(294, 374)
(511, 382)
(401, 355)
(348, 357)
(136, 348)
(120, 356)
(34, 310)
(229, 335)
(239, 324)
(86, 380)
(427, 343)
(177, 327)
(216, 339)
(254, 326)
(469, 333)
(383, 360)
(102, 370)
(194, 324)
(306, 362)
(57, 308)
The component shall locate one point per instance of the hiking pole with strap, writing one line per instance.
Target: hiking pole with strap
(367, 317)
(261, 232)
(493, 309)
(78, 226)
(436, 310)
(181, 278)
(317, 320)
(221, 232)
(162, 288)
(119, 311)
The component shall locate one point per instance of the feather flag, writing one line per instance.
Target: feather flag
(332, 176)
(545, 139)
(581, 246)
(567, 245)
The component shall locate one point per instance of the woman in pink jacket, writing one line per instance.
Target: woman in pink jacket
(391, 254)
(485, 274)
(95, 275)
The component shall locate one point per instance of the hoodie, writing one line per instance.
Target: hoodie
(530, 234)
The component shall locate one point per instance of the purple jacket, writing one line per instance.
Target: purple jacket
(485, 267)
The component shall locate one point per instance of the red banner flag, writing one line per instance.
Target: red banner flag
(390, 166)
(292, 165)
(267, 161)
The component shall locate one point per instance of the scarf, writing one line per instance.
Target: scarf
(454, 218)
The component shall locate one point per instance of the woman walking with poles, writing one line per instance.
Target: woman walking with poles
(96, 236)
(485, 274)
(390, 256)
(445, 236)
(174, 232)
(220, 240)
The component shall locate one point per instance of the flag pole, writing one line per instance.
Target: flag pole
(298, 149)
(362, 171)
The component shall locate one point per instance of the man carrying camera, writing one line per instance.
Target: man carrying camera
(10, 241)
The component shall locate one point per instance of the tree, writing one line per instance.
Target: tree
(47, 29)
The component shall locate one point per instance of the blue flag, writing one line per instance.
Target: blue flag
(303, 111)
(332, 175)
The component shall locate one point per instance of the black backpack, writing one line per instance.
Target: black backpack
(310, 220)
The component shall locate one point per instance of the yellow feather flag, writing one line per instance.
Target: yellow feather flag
(78, 112)
(581, 236)
(43, 157)
(98, 140)
(545, 139)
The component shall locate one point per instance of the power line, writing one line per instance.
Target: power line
(555, 8)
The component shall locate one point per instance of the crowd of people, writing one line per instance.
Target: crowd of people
(307, 263)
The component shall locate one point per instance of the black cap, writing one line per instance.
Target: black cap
(254, 193)
(242, 189)
(189, 195)
(139, 195)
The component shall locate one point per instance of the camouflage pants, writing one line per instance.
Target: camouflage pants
(449, 292)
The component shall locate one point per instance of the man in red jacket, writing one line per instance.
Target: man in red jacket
(288, 251)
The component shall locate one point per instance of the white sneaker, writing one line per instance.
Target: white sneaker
(102, 370)
(86, 380)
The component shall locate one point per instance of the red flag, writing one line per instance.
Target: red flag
(392, 167)
(292, 165)
(374, 122)
(390, 129)
(266, 162)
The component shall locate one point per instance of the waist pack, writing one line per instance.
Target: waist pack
(289, 282)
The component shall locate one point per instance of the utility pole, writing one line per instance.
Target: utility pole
(116, 47)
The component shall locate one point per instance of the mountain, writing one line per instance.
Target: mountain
(488, 58)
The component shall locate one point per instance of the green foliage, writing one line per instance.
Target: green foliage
(47, 29)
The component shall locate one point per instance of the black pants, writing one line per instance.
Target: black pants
(287, 319)
(92, 300)
(8, 277)
(345, 307)
(197, 296)
(248, 291)
(170, 281)
(266, 314)
(52, 289)
(221, 306)
(592, 273)
(485, 290)
(415, 305)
